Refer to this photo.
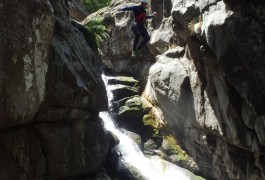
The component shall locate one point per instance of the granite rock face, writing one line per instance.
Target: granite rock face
(51, 92)
(25, 37)
(208, 80)
(212, 95)
(77, 10)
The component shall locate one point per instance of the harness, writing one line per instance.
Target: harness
(141, 18)
(140, 14)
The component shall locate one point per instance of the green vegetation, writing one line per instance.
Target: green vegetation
(130, 81)
(97, 31)
(94, 5)
(134, 102)
(127, 109)
(174, 148)
(150, 121)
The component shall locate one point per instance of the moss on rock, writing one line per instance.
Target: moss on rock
(149, 120)
(130, 110)
(171, 147)
(134, 102)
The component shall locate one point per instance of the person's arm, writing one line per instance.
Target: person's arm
(129, 8)
(151, 16)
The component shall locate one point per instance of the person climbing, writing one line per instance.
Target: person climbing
(138, 26)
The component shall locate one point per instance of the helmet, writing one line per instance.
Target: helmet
(144, 1)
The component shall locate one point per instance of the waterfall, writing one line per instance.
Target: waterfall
(151, 168)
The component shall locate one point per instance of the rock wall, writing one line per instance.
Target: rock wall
(208, 79)
(211, 87)
(51, 92)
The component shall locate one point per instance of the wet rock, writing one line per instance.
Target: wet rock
(135, 137)
(150, 144)
(22, 154)
(130, 115)
(127, 81)
(68, 153)
(77, 10)
(121, 92)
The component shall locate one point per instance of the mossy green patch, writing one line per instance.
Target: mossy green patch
(145, 107)
(125, 109)
(129, 80)
(134, 102)
(149, 120)
(175, 149)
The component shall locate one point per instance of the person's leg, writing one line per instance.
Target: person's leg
(146, 37)
(137, 34)
(135, 42)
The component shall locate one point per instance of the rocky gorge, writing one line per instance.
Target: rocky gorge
(200, 84)
(203, 71)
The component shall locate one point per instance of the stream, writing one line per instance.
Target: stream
(150, 168)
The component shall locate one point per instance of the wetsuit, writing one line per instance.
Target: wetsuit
(138, 27)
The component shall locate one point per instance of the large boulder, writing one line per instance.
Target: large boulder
(131, 114)
(24, 59)
(245, 71)
(74, 148)
(51, 94)
(77, 10)
(22, 155)
(212, 95)
(73, 79)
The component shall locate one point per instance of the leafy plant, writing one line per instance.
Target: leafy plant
(94, 5)
(97, 31)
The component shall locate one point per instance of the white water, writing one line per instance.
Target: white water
(153, 168)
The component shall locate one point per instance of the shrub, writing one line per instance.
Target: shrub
(97, 31)
(94, 5)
